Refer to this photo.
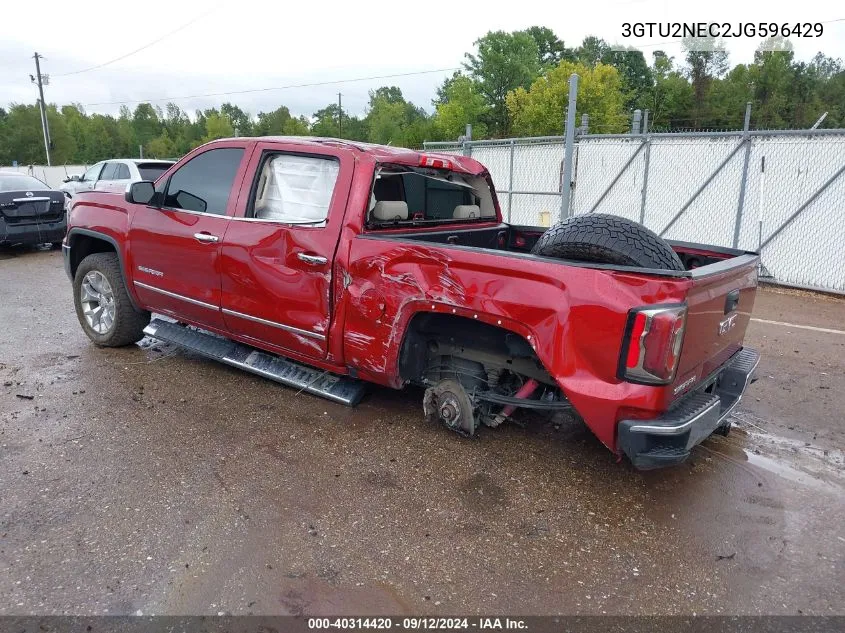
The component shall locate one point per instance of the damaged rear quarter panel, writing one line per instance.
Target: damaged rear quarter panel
(574, 317)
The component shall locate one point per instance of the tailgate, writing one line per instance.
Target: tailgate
(719, 304)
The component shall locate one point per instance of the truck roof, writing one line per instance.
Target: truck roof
(381, 153)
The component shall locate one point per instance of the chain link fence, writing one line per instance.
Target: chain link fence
(781, 193)
(526, 171)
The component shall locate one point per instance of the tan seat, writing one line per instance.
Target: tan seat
(466, 211)
(387, 210)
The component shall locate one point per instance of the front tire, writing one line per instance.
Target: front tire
(102, 303)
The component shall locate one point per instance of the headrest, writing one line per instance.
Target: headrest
(387, 210)
(467, 211)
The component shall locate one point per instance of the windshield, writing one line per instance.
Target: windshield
(20, 182)
(408, 195)
(151, 171)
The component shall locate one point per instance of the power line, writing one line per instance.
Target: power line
(145, 46)
(305, 85)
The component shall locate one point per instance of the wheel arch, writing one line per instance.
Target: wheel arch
(485, 331)
(84, 242)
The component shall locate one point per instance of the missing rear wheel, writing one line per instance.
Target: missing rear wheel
(449, 403)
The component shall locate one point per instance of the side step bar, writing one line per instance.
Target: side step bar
(340, 389)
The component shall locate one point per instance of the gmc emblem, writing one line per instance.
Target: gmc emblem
(727, 325)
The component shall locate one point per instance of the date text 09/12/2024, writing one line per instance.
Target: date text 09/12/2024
(418, 623)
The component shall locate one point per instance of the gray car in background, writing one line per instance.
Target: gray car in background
(115, 173)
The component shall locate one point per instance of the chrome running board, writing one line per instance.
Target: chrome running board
(340, 389)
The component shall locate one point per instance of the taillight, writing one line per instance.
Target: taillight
(652, 345)
(434, 162)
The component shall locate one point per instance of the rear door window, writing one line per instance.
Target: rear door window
(109, 172)
(123, 172)
(295, 189)
(151, 171)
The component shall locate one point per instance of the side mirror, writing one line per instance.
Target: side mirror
(73, 178)
(140, 192)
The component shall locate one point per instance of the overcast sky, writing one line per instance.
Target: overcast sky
(234, 46)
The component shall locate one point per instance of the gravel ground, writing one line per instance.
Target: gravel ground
(148, 480)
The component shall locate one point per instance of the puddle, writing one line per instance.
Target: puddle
(794, 460)
(789, 473)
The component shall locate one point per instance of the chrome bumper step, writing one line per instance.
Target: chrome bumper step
(340, 389)
(669, 438)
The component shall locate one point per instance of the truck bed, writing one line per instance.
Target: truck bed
(579, 310)
(519, 240)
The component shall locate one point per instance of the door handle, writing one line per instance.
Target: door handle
(313, 260)
(206, 237)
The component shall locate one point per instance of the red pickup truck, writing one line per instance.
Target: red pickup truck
(325, 265)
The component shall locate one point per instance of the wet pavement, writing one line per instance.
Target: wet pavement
(148, 480)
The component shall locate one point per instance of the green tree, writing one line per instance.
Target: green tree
(550, 48)
(177, 131)
(77, 126)
(706, 59)
(831, 89)
(393, 121)
(239, 119)
(272, 123)
(217, 126)
(102, 140)
(126, 133)
(22, 139)
(326, 123)
(592, 50)
(540, 109)
(637, 79)
(389, 94)
(4, 157)
(727, 97)
(146, 123)
(460, 102)
(773, 78)
(502, 63)
(671, 96)
(160, 147)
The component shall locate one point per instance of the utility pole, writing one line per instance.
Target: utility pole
(569, 149)
(339, 115)
(45, 127)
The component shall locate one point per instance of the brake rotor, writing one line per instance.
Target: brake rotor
(449, 403)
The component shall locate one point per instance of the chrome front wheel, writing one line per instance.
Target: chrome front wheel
(103, 306)
(97, 302)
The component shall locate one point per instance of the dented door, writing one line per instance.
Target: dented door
(277, 260)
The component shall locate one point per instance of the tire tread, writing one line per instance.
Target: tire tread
(607, 239)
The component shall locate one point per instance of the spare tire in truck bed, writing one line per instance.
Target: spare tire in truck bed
(607, 239)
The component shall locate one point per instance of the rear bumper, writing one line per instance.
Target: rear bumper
(668, 440)
(30, 233)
